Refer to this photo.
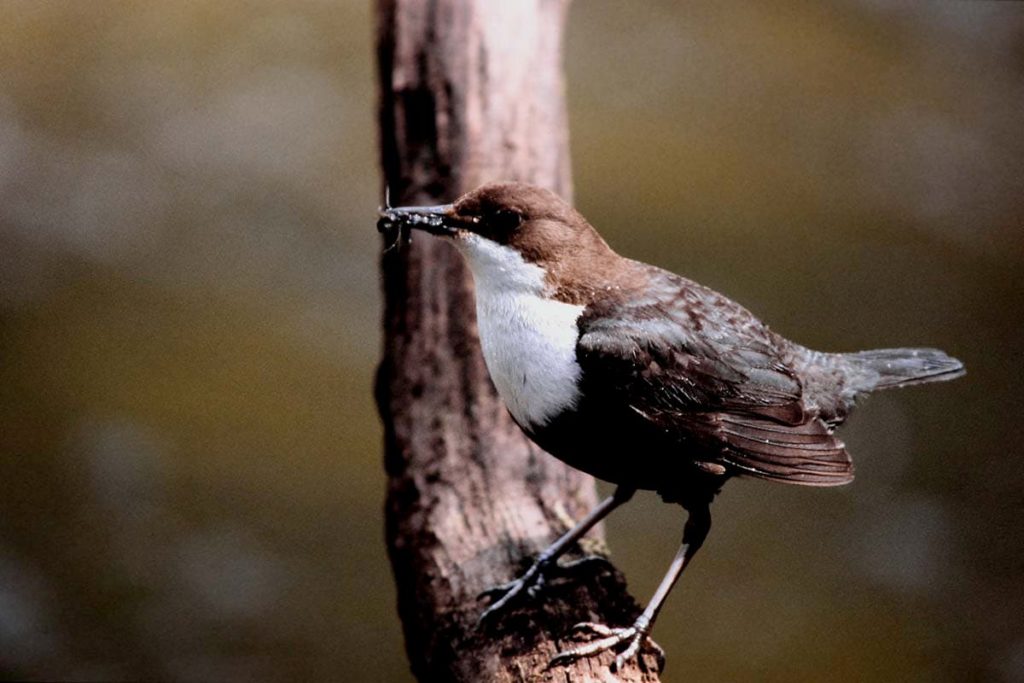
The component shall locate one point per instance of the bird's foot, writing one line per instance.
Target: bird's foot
(531, 582)
(633, 637)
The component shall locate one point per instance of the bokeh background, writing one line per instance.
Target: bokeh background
(190, 464)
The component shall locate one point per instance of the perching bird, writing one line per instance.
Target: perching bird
(644, 378)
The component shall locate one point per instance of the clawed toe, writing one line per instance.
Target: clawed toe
(586, 560)
(531, 583)
(608, 638)
(513, 587)
(589, 627)
(501, 595)
(495, 592)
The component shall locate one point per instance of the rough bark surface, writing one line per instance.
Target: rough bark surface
(472, 91)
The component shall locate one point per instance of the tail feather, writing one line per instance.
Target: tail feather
(887, 368)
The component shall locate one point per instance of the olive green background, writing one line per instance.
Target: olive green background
(190, 461)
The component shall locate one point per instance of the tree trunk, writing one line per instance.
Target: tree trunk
(472, 91)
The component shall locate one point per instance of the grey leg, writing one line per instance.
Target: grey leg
(533, 578)
(697, 526)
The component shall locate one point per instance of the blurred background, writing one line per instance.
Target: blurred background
(190, 475)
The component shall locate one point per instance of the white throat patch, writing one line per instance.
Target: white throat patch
(528, 339)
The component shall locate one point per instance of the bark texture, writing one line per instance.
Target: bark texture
(472, 91)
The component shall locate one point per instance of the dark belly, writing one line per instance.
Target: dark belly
(623, 448)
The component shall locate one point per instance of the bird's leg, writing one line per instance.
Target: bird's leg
(533, 579)
(696, 530)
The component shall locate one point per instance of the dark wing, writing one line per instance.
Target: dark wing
(691, 362)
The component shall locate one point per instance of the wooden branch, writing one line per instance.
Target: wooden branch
(472, 91)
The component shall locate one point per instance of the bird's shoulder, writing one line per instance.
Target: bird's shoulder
(661, 304)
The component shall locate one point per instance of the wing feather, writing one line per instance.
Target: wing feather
(694, 363)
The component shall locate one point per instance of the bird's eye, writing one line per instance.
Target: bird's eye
(506, 219)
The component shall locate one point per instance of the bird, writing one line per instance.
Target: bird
(644, 378)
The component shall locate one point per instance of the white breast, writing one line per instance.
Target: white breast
(528, 339)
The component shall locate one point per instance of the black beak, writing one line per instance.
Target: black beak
(437, 220)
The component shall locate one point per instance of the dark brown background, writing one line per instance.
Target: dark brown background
(190, 477)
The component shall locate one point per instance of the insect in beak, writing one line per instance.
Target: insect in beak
(395, 231)
(397, 222)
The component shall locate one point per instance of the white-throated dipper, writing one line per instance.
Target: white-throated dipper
(644, 378)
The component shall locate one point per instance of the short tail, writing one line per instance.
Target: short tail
(887, 368)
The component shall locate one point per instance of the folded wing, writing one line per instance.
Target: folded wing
(698, 365)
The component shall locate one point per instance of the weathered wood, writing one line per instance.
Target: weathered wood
(471, 91)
